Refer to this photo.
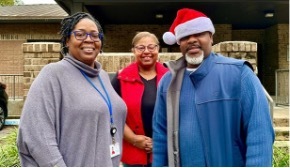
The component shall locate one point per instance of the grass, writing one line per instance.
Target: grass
(8, 150)
(9, 154)
(281, 157)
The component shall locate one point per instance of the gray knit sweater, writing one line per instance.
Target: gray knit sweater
(65, 121)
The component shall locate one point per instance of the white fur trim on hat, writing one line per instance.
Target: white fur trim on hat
(169, 38)
(195, 26)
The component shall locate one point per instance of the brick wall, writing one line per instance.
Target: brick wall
(282, 73)
(30, 31)
(223, 32)
(112, 62)
(270, 63)
(118, 38)
(283, 46)
(272, 51)
(282, 89)
(272, 43)
(11, 56)
(37, 55)
(12, 36)
(244, 50)
(248, 35)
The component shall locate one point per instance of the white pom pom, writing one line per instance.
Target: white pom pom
(169, 38)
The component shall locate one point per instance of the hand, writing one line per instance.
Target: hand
(143, 142)
(148, 146)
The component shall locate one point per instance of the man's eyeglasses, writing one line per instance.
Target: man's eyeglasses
(150, 48)
(82, 35)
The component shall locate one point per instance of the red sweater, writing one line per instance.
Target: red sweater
(132, 89)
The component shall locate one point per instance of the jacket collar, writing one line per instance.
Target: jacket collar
(92, 72)
(204, 68)
(130, 73)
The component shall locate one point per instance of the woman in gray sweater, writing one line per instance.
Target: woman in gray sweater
(72, 116)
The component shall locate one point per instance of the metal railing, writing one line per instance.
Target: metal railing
(14, 89)
(14, 85)
(271, 104)
(282, 86)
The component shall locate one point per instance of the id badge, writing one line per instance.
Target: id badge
(115, 149)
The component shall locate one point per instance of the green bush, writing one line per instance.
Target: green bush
(9, 154)
(281, 157)
(8, 150)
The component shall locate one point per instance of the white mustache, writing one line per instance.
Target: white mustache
(192, 46)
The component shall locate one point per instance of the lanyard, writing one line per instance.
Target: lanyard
(107, 100)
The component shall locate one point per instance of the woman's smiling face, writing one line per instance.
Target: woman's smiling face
(146, 51)
(85, 50)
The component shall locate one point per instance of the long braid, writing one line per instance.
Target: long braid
(68, 24)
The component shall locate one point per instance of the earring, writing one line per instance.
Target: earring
(62, 50)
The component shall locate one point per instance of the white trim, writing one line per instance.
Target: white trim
(12, 121)
(193, 26)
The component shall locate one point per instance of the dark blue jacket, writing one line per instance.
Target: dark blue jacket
(232, 112)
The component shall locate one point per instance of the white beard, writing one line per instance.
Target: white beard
(194, 60)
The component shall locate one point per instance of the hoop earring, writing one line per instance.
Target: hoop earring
(62, 50)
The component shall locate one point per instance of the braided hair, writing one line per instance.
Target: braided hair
(68, 24)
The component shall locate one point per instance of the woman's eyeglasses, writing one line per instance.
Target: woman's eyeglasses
(82, 35)
(142, 48)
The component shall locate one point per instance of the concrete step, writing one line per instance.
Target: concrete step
(281, 116)
(281, 122)
(282, 144)
(282, 133)
(281, 125)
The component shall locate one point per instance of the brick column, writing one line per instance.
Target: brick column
(244, 50)
(36, 55)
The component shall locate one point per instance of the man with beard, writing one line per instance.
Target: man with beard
(210, 110)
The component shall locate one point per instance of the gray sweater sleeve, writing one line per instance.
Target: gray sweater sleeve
(37, 138)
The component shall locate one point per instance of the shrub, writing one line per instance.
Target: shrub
(9, 154)
(281, 157)
(8, 150)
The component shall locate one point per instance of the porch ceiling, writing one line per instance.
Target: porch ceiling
(242, 14)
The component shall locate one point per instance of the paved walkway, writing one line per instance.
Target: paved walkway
(279, 112)
(281, 126)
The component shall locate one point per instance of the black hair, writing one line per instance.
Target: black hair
(68, 24)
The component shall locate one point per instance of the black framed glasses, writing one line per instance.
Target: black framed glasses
(82, 35)
(150, 48)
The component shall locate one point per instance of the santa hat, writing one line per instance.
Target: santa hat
(187, 22)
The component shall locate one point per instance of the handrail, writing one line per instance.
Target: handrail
(271, 103)
(14, 85)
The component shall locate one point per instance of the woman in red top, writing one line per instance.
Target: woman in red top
(137, 85)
